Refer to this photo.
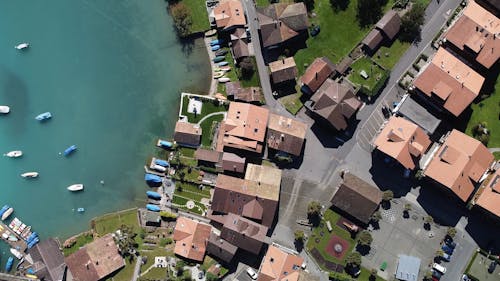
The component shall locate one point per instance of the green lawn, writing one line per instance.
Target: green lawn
(253, 81)
(376, 75)
(156, 273)
(488, 111)
(157, 252)
(198, 14)
(111, 222)
(188, 176)
(187, 151)
(292, 102)
(124, 273)
(81, 241)
(206, 129)
(209, 106)
(497, 155)
(195, 188)
(387, 57)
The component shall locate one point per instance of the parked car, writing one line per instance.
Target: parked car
(439, 268)
(200, 275)
(492, 266)
(450, 243)
(252, 273)
(436, 274)
(447, 249)
(446, 257)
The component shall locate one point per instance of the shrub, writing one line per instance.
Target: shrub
(299, 235)
(166, 241)
(182, 19)
(167, 215)
(365, 238)
(353, 259)
(388, 195)
(451, 232)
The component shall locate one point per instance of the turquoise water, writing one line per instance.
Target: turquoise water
(111, 73)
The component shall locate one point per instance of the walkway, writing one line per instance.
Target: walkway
(137, 268)
(494, 149)
(210, 115)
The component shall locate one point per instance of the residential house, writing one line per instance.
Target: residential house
(48, 261)
(334, 104)
(386, 29)
(243, 233)
(220, 248)
(281, 22)
(233, 163)
(491, 5)
(448, 82)
(279, 264)
(403, 141)
(208, 157)
(187, 134)
(316, 74)
(488, 195)
(229, 14)
(459, 164)
(286, 134)
(474, 35)
(248, 94)
(191, 238)
(244, 127)
(239, 43)
(356, 198)
(96, 260)
(421, 116)
(255, 197)
(283, 70)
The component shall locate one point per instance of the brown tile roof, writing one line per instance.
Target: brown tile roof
(245, 126)
(373, 39)
(357, 198)
(278, 265)
(317, 73)
(187, 133)
(191, 238)
(238, 33)
(96, 260)
(48, 260)
(207, 155)
(336, 103)
(232, 162)
(450, 80)
(229, 13)
(283, 70)
(403, 141)
(232, 88)
(243, 233)
(390, 24)
(220, 248)
(240, 48)
(344, 65)
(477, 30)
(489, 197)
(249, 94)
(280, 22)
(286, 134)
(459, 163)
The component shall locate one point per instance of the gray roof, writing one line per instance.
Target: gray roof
(48, 260)
(416, 113)
(408, 268)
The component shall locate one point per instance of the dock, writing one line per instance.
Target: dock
(19, 245)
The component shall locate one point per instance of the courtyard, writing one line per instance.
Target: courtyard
(478, 268)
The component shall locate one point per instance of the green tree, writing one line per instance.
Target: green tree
(339, 5)
(353, 259)
(369, 11)
(182, 18)
(411, 23)
(376, 217)
(211, 277)
(308, 3)
(365, 238)
(126, 242)
(451, 232)
(314, 209)
(439, 253)
(299, 236)
(247, 68)
(388, 195)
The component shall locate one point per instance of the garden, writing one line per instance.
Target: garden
(208, 106)
(477, 269)
(387, 57)
(368, 75)
(190, 197)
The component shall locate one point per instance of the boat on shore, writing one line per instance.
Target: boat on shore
(16, 253)
(22, 46)
(152, 208)
(7, 213)
(218, 74)
(152, 178)
(221, 52)
(14, 154)
(211, 32)
(215, 47)
(225, 68)
(216, 42)
(29, 175)
(75, 187)
(4, 109)
(219, 58)
(8, 265)
(69, 150)
(153, 195)
(43, 116)
(224, 80)
(162, 163)
(222, 63)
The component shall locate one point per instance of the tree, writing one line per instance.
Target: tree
(369, 11)
(407, 207)
(299, 236)
(376, 217)
(308, 3)
(365, 238)
(339, 5)
(388, 195)
(247, 68)
(411, 23)
(211, 277)
(353, 259)
(428, 275)
(427, 222)
(439, 253)
(406, 211)
(182, 19)
(126, 242)
(451, 232)
(373, 274)
(314, 209)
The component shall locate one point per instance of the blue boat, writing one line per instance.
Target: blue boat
(152, 178)
(44, 116)
(216, 42)
(31, 237)
(223, 63)
(215, 47)
(8, 265)
(4, 209)
(153, 195)
(219, 58)
(152, 208)
(69, 150)
(33, 242)
(164, 144)
(162, 163)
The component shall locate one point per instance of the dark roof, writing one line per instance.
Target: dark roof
(373, 39)
(491, 5)
(280, 22)
(48, 260)
(232, 162)
(283, 70)
(240, 48)
(232, 88)
(316, 73)
(207, 155)
(187, 133)
(80, 269)
(419, 115)
(344, 65)
(244, 233)
(357, 198)
(249, 94)
(220, 248)
(390, 24)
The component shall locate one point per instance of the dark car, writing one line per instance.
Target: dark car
(492, 266)
(447, 249)
(450, 243)
(436, 274)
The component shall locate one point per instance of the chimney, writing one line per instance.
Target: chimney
(283, 60)
(316, 76)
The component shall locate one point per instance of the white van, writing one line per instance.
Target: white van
(439, 268)
(252, 273)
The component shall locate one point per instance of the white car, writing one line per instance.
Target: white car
(439, 268)
(252, 273)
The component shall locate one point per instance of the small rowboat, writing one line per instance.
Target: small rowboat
(211, 32)
(14, 154)
(219, 58)
(44, 116)
(69, 150)
(29, 175)
(223, 63)
(218, 74)
(22, 46)
(225, 68)
(224, 79)
(215, 47)
(221, 52)
(75, 187)
(216, 42)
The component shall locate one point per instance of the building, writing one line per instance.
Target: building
(278, 265)
(244, 127)
(356, 198)
(191, 238)
(449, 83)
(491, 5)
(96, 260)
(152, 219)
(255, 197)
(281, 22)
(243, 233)
(488, 196)
(286, 134)
(48, 261)
(283, 70)
(474, 35)
(386, 29)
(408, 268)
(220, 248)
(187, 134)
(459, 164)
(249, 94)
(239, 43)
(334, 104)
(372, 41)
(316, 74)
(233, 163)
(229, 14)
(208, 157)
(421, 116)
(403, 141)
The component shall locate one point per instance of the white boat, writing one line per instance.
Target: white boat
(22, 46)
(29, 175)
(224, 79)
(16, 253)
(7, 213)
(14, 154)
(75, 187)
(4, 109)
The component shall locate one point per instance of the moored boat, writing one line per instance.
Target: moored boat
(215, 47)
(225, 68)
(8, 265)
(29, 175)
(22, 46)
(159, 168)
(152, 178)
(221, 52)
(80, 210)
(14, 154)
(43, 116)
(4, 208)
(216, 42)
(152, 208)
(219, 58)
(211, 32)
(164, 144)
(162, 162)
(224, 80)
(69, 150)
(153, 195)
(16, 253)
(222, 63)
(218, 74)
(7, 213)
(75, 187)
(4, 109)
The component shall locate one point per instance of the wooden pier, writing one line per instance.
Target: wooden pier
(19, 245)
